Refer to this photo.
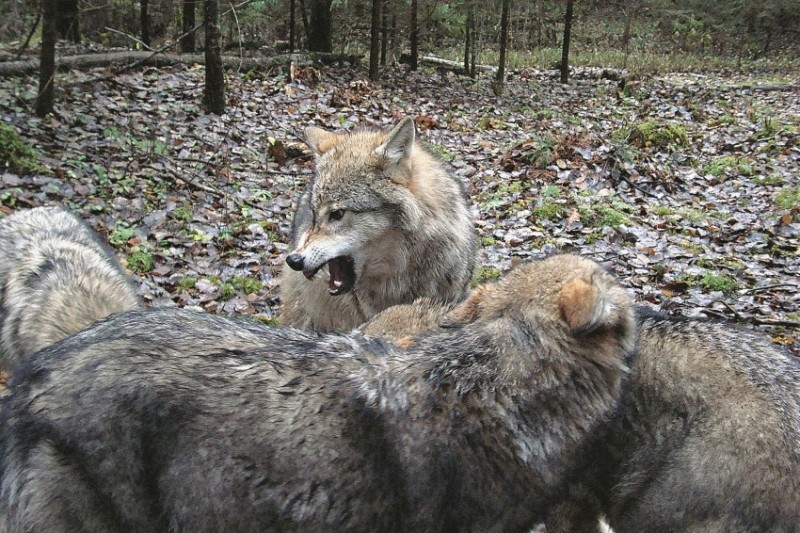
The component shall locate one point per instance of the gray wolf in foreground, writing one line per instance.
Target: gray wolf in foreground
(159, 420)
(384, 220)
(56, 278)
(706, 436)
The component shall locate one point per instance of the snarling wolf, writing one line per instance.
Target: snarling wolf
(385, 222)
(56, 278)
(163, 419)
(706, 436)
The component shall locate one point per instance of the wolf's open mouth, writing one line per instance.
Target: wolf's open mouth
(342, 275)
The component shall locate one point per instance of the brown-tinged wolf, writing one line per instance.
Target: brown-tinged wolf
(56, 278)
(706, 436)
(167, 420)
(386, 222)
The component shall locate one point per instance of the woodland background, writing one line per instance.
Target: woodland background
(659, 137)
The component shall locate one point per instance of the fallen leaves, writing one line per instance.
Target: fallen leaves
(548, 167)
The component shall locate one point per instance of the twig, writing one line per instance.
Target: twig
(768, 287)
(239, 31)
(131, 37)
(757, 321)
(28, 40)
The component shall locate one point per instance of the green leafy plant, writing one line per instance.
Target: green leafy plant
(16, 155)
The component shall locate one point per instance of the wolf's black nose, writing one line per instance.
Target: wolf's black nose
(295, 261)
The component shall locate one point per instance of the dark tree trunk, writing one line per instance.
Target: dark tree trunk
(320, 38)
(144, 19)
(565, 47)
(68, 21)
(473, 60)
(304, 19)
(414, 36)
(384, 30)
(468, 36)
(374, 40)
(501, 68)
(292, 26)
(187, 41)
(214, 93)
(47, 59)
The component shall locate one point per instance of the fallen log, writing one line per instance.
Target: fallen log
(124, 59)
(453, 66)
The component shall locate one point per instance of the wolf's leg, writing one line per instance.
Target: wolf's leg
(44, 491)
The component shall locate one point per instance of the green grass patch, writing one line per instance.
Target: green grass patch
(724, 120)
(742, 166)
(140, 259)
(16, 155)
(550, 191)
(548, 211)
(511, 187)
(653, 133)
(441, 151)
(593, 215)
(718, 282)
(768, 180)
(484, 274)
(183, 214)
(121, 235)
(664, 211)
(693, 215)
(788, 198)
(187, 283)
(229, 288)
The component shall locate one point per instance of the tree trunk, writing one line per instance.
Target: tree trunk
(384, 30)
(414, 36)
(68, 20)
(501, 67)
(476, 44)
(320, 38)
(214, 92)
(468, 36)
(144, 20)
(47, 59)
(374, 40)
(565, 47)
(304, 20)
(292, 26)
(187, 41)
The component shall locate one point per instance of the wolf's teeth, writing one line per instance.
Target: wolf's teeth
(337, 283)
(326, 270)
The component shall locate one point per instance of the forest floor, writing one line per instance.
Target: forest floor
(687, 186)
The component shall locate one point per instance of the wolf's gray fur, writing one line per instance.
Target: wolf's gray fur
(386, 219)
(159, 420)
(705, 438)
(56, 278)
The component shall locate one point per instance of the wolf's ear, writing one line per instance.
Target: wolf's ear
(587, 304)
(319, 140)
(396, 151)
(469, 310)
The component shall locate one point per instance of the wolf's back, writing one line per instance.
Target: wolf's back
(710, 432)
(56, 278)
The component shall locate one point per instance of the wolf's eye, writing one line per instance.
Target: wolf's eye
(336, 214)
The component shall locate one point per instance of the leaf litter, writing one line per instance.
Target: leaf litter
(685, 186)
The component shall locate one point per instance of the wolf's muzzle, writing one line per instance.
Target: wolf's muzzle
(295, 261)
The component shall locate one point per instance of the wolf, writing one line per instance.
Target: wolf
(705, 437)
(385, 221)
(164, 419)
(56, 278)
